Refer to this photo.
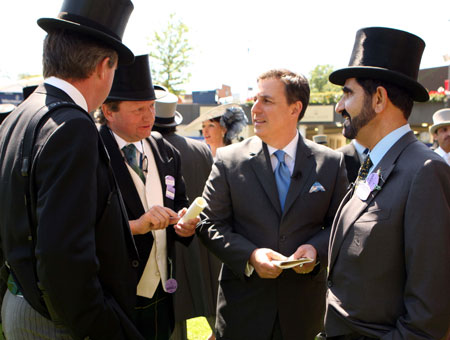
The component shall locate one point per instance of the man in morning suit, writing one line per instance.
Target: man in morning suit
(148, 172)
(68, 246)
(197, 269)
(390, 242)
(271, 197)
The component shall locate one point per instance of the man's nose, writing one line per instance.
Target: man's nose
(339, 106)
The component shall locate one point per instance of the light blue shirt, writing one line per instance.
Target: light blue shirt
(289, 157)
(385, 144)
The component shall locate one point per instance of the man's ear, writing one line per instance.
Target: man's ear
(107, 112)
(102, 67)
(298, 106)
(380, 99)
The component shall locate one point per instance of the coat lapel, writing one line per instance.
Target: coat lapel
(354, 206)
(126, 185)
(260, 162)
(304, 164)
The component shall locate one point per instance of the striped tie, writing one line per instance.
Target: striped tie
(130, 155)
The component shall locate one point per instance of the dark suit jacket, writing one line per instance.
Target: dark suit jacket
(390, 254)
(352, 162)
(244, 213)
(84, 247)
(197, 268)
(168, 163)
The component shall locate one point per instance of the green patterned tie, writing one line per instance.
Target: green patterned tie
(130, 155)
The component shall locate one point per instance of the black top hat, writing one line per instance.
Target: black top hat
(134, 82)
(386, 54)
(104, 20)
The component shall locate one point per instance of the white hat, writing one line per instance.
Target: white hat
(215, 112)
(440, 118)
(320, 139)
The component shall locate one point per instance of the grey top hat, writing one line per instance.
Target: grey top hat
(104, 20)
(386, 54)
(166, 114)
(440, 118)
(320, 139)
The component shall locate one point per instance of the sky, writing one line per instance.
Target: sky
(236, 40)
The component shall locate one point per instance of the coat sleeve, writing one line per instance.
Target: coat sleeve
(427, 256)
(216, 231)
(67, 265)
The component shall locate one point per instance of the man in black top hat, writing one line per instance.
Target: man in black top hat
(148, 171)
(68, 245)
(389, 246)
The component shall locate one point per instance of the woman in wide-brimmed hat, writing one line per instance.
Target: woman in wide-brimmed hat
(221, 125)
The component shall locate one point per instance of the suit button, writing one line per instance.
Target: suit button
(282, 238)
(329, 283)
(157, 273)
(135, 263)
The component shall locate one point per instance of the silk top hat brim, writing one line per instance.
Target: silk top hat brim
(386, 54)
(134, 82)
(104, 20)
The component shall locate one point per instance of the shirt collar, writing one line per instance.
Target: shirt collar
(122, 142)
(385, 144)
(68, 88)
(290, 149)
(359, 148)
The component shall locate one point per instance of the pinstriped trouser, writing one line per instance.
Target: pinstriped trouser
(21, 322)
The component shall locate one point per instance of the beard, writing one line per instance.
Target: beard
(352, 126)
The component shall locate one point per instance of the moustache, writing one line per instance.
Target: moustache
(345, 115)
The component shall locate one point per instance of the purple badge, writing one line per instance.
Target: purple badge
(171, 285)
(372, 180)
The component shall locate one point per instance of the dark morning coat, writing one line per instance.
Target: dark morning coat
(197, 268)
(352, 162)
(389, 268)
(84, 248)
(244, 213)
(168, 163)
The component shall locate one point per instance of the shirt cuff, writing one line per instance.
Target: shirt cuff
(249, 269)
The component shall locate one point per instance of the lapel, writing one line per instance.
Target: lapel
(352, 207)
(162, 165)
(304, 163)
(125, 182)
(260, 162)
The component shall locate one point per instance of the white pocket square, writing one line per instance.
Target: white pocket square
(316, 187)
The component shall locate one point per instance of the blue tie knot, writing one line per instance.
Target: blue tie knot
(279, 154)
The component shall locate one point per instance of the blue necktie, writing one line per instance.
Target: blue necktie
(282, 177)
(130, 154)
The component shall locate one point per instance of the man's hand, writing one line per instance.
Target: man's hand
(157, 217)
(305, 250)
(187, 228)
(261, 260)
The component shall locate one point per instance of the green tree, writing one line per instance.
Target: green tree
(169, 56)
(319, 79)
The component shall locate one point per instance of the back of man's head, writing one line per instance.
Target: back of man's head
(70, 55)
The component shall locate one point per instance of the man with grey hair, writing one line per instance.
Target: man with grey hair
(68, 245)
